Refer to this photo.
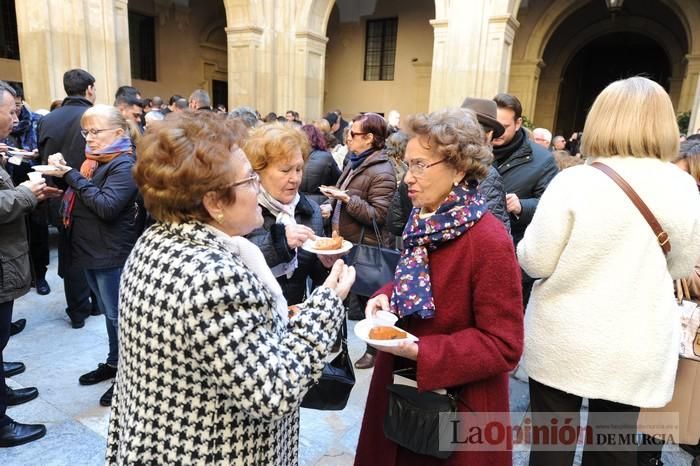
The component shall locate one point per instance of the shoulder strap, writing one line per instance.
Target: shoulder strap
(661, 235)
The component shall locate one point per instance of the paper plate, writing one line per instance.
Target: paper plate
(363, 327)
(22, 153)
(309, 246)
(46, 168)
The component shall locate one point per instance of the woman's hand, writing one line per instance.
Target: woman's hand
(326, 210)
(340, 279)
(378, 303)
(329, 259)
(406, 349)
(297, 234)
(60, 163)
(338, 195)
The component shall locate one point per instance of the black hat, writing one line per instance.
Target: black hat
(485, 110)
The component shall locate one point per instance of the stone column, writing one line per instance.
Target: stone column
(471, 53)
(524, 80)
(310, 68)
(57, 35)
(244, 62)
(694, 123)
(690, 83)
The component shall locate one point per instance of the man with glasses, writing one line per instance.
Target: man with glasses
(59, 131)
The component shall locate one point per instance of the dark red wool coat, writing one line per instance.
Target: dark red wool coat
(475, 339)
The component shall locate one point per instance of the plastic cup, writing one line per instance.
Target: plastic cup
(35, 176)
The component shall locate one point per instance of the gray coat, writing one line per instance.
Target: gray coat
(15, 203)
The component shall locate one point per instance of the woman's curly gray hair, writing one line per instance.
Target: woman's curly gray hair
(455, 135)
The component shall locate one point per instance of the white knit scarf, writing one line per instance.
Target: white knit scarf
(284, 214)
(253, 258)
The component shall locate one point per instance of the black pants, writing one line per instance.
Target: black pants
(38, 246)
(75, 286)
(5, 319)
(544, 401)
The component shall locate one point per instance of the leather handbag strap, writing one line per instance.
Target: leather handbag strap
(661, 235)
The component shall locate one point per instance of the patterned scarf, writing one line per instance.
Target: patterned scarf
(87, 169)
(284, 214)
(413, 294)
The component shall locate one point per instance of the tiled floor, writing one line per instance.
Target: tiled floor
(56, 355)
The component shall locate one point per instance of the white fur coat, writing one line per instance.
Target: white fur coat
(601, 321)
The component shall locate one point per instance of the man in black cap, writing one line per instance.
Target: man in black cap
(491, 187)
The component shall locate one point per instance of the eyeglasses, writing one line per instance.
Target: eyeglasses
(95, 132)
(253, 179)
(418, 168)
(353, 134)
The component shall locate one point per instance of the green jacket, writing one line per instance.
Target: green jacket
(15, 203)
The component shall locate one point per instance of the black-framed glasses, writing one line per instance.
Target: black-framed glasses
(95, 132)
(419, 167)
(253, 179)
(353, 134)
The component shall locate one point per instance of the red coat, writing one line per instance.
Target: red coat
(475, 339)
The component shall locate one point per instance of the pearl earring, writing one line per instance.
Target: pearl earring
(220, 218)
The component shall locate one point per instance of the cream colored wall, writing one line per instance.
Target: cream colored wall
(184, 61)
(410, 89)
(10, 70)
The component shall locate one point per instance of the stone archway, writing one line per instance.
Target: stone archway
(534, 77)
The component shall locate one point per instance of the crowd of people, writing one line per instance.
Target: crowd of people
(185, 225)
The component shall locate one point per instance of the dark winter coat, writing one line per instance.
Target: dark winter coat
(59, 131)
(272, 241)
(474, 340)
(107, 216)
(320, 169)
(526, 169)
(15, 203)
(371, 189)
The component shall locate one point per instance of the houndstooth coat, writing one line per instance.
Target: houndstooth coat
(209, 373)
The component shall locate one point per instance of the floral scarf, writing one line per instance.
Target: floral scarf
(87, 169)
(462, 208)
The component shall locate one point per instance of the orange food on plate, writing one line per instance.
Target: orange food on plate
(386, 333)
(329, 244)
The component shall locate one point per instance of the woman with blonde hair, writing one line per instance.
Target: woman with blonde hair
(613, 337)
(213, 368)
(103, 214)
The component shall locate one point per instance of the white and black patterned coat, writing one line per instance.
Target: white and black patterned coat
(209, 373)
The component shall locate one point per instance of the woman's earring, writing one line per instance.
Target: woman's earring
(220, 218)
(456, 183)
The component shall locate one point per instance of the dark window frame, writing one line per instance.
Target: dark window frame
(9, 39)
(143, 46)
(381, 36)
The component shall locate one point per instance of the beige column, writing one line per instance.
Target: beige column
(690, 83)
(694, 123)
(57, 35)
(524, 80)
(310, 66)
(471, 53)
(244, 67)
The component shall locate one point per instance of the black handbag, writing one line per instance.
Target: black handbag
(332, 390)
(374, 265)
(413, 420)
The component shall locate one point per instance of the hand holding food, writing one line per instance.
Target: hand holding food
(297, 234)
(329, 244)
(340, 279)
(378, 303)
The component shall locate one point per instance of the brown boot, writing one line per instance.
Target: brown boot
(365, 362)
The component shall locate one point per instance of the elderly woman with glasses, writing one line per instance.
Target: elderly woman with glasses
(278, 152)
(456, 287)
(213, 368)
(102, 212)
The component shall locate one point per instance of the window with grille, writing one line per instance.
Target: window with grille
(380, 49)
(9, 42)
(142, 46)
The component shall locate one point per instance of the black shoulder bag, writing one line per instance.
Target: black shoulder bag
(332, 390)
(374, 265)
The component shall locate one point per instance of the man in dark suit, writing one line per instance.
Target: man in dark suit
(59, 131)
